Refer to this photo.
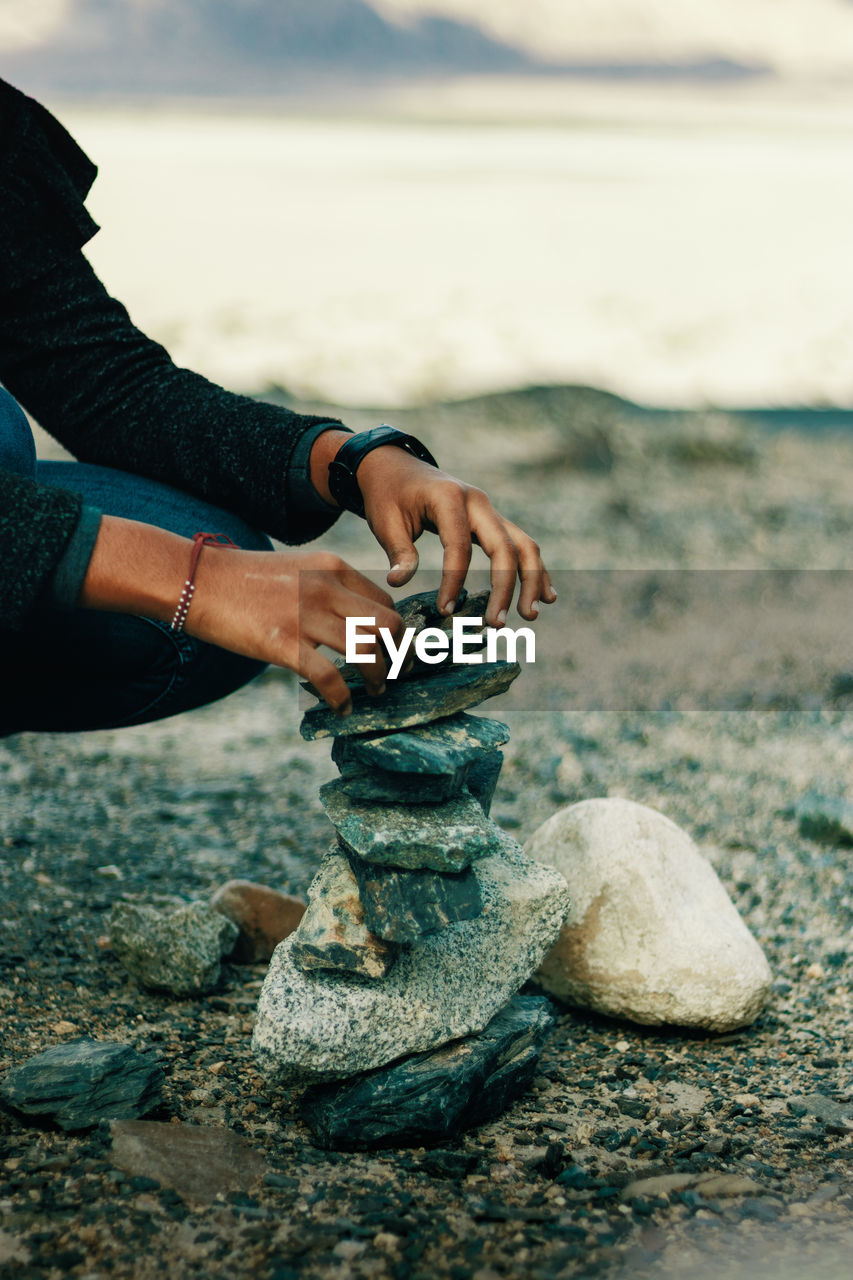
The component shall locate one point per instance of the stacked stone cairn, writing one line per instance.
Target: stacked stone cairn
(423, 921)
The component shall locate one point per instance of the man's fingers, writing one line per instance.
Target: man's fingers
(453, 527)
(398, 546)
(325, 678)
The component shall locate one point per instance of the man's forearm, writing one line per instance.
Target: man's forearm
(135, 568)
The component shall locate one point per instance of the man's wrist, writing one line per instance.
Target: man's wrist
(355, 452)
(322, 452)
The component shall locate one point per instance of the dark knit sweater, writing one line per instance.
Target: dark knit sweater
(71, 356)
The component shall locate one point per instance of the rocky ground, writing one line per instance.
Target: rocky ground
(719, 699)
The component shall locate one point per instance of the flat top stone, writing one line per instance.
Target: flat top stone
(442, 837)
(413, 702)
(437, 748)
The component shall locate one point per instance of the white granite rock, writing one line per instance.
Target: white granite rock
(652, 934)
(447, 984)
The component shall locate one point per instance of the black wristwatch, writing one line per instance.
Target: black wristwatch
(343, 485)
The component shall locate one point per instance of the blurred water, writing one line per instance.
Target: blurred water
(678, 257)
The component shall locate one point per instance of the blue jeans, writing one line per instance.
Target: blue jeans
(84, 669)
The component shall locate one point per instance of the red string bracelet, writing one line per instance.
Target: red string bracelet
(199, 540)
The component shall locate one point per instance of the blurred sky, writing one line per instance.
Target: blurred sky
(679, 242)
(792, 36)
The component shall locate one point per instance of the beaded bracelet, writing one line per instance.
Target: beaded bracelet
(199, 540)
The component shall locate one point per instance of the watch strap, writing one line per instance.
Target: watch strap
(343, 484)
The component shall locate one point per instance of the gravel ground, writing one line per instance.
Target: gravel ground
(637, 693)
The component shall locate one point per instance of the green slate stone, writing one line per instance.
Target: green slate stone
(383, 787)
(437, 748)
(403, 906)
(441, 837)
(412, 702)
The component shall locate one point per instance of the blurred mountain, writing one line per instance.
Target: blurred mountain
(290, 47)
(238, 46)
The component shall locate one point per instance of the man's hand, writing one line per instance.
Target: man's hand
(404, 496)
(276, 606)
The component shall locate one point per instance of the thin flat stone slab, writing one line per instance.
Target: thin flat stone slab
(381, 787)
(198, 1162)
(410, 702)
(441, 747)
(402, 906)
(424, 765)
(431, 1097)
(332, 934)
(313, 1027)
(421, 611)
(441, 837)
(80, 1082)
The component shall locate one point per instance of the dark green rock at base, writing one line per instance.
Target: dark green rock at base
(433, 1096)
(402, 906)
(411, 702)
(81, 1082)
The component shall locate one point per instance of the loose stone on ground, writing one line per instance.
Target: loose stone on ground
(81, 1082)
(263, 916)
(176, 951)
(652, 934)
(200, 1163)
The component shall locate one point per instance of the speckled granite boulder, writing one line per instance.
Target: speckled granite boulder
(652, 934)
(449, 984)
(441, 837)
(176, 951)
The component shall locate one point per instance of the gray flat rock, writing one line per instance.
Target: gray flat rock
(402, 906)
(433, 1096)
(81, 1082)
(313, 1027)
(440, 837)
(175, 951)
(411, 702)
(332, 934)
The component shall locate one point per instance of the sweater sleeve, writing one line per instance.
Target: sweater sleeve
(37, 524)
(71, 355)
